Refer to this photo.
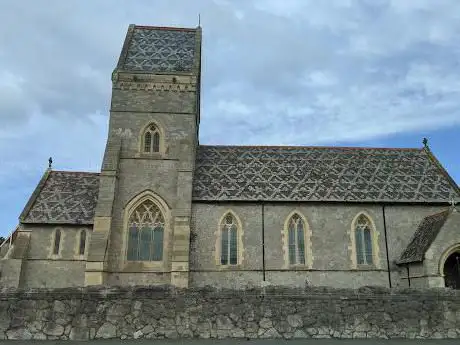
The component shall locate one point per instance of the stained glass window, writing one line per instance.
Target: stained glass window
(296, 240)
(152, 139)
(81, 249)
(57, 241)
(363, 241)
(229, 241)
(145, 233)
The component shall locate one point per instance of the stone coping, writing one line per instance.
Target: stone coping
(272, 292)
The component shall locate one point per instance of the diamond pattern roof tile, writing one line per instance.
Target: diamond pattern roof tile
(251, 173)
(65, 198)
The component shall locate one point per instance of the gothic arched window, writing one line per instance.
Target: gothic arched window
(363, 240)
(296, 240)
(57, 242)
(146, 226)
(151, 139)
(229, 240)
(82, 244)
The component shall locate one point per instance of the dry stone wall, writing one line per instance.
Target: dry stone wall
(270, 312)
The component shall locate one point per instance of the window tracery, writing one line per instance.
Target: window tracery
(151, 139)
(146, 226)
(363, 241)
(296, 240)
(229, 240)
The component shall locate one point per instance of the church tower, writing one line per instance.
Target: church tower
(142, 220)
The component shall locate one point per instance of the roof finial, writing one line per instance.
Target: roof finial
(50, 162)
(199, 19)
(425, 143)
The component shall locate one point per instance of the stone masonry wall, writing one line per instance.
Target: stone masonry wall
(270, 312)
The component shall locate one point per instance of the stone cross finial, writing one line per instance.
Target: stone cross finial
(50, 162)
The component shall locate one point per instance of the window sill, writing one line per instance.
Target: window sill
(229, 267)
(365, 267)
(144, 266)
(298, 267)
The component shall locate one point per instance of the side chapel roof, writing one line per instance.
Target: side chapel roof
(63, 197)
(425, 234)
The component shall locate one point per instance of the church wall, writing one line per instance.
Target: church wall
(53, 273)
(139, 279)
(42, 269)
(330, 228)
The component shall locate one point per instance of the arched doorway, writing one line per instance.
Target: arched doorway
(452, 270)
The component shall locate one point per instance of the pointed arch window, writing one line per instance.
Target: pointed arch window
(145, 233)
(151, 139)
(229, 240)
(82, 244)
(296, 240)
(57, 242)
(363, 241)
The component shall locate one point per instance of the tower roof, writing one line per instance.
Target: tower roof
(160, 49)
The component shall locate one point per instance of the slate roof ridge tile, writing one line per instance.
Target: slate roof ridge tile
(314, 147)
(76, 172)
(168, 28)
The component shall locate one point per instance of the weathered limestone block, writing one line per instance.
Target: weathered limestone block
(19, 334)
(106, 331)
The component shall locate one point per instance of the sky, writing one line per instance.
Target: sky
(378, 73)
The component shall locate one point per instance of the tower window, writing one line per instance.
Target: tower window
(151, 139)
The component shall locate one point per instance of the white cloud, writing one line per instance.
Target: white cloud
(274, 72)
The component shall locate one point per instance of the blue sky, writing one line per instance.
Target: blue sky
(380, 73)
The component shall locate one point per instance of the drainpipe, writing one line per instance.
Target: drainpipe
(386, 244)
(263, 241)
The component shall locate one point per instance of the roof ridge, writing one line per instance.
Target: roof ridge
(317, 147)
(76, 172)
(172, 28)
(442, 170)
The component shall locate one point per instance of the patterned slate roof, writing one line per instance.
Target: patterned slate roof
(63, 197)
(423, 237)
(242, 173)
(158, 49)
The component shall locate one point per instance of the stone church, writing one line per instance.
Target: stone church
(165, 209)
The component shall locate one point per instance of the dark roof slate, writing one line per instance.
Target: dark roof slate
(158, 49)
(63, 197)
(252, 173)
(425, 234)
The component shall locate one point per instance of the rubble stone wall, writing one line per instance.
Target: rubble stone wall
(270, 312)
